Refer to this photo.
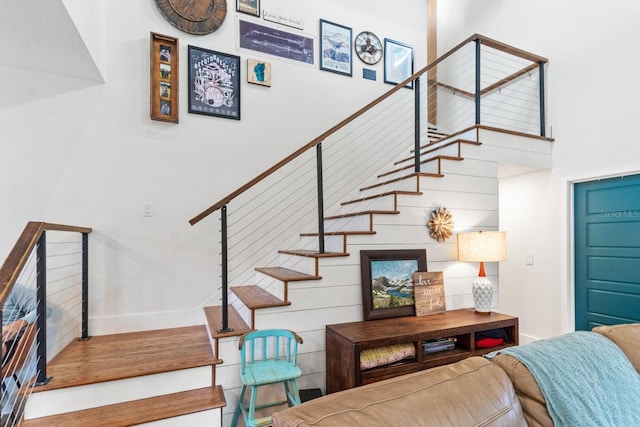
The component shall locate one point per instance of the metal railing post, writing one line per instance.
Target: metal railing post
(85, 287)
(416, 129)
(543, 124)
(478, 88)
(41, 321)
(225, 271)
(320, 199)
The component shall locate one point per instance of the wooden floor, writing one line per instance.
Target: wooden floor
(113, 357)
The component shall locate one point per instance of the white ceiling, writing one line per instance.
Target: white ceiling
(39, 35)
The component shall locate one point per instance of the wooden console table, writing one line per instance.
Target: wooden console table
(345, 341)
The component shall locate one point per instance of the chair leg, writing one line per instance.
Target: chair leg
(236, 413)
(292, 392)
(251, 421)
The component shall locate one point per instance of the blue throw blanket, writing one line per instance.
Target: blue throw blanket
(585, 379)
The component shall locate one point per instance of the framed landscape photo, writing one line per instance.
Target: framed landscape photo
(387, 281)
(164, 78)
(250, 7)
(336, 48)
(214, 83)
(398, 62)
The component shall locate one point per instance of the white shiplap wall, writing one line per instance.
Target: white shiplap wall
(469, 189)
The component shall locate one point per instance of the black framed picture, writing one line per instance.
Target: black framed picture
(214, 83)
(336, 48)
(277, 42)
(387, 281)
(250, 7)
(398, 62)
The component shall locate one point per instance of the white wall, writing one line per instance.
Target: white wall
(592, 91)
(79, 152)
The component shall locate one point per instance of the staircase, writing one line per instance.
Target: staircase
(161, 377)
(310, 289)
(177, 377)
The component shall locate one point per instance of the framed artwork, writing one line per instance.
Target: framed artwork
(259, 72)
(398, 62)
(250, 7)
(164, 78)
(336, 47)
(273, 41)
(387, 281)
(214, 83)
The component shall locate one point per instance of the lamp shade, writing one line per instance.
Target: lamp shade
(482, 246)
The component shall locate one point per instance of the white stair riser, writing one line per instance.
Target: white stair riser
(212, 417)
(331, 243)
(382, 203)
(409, 184)
(59, 401)
(242, 310)
(351, 223)
(299, 263)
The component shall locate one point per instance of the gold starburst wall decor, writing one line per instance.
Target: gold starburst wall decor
(441, 224)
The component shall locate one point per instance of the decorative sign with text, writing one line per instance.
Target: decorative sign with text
(428, 291)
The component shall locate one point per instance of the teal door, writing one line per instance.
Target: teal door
(607, 252)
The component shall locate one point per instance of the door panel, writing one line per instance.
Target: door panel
(607, 252)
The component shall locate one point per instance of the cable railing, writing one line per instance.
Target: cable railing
(44, 297)
(479, 83)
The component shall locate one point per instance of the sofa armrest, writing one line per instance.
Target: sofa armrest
(534, 405)
(627, 337)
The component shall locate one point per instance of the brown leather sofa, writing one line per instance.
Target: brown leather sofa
(472, 392)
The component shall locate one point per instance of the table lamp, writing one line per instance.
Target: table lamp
(482, 246)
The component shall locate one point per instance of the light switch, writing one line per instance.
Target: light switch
(529, 259)
(147, 209)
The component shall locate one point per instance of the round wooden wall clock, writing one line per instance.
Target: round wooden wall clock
(194, 16)
(368, 47)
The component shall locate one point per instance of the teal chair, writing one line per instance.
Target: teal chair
(268, 356)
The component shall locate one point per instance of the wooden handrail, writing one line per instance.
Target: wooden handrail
(311, 144)
(17, 258)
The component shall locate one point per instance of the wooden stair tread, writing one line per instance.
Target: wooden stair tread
(388, 193)
(313, 254)
(118, 356)
(401, 178)
(214, 320)
(369, 212)
(422, 162)
(137, 411)
(286, 275)
(255, 297)
(340, 233)
(435, 147)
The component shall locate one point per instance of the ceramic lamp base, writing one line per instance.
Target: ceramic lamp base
(482, 291)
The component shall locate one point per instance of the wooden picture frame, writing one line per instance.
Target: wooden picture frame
(250, 7)
(214, 83)
(336, 48)
(398, 62)
(387, 281)
(164, 78)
